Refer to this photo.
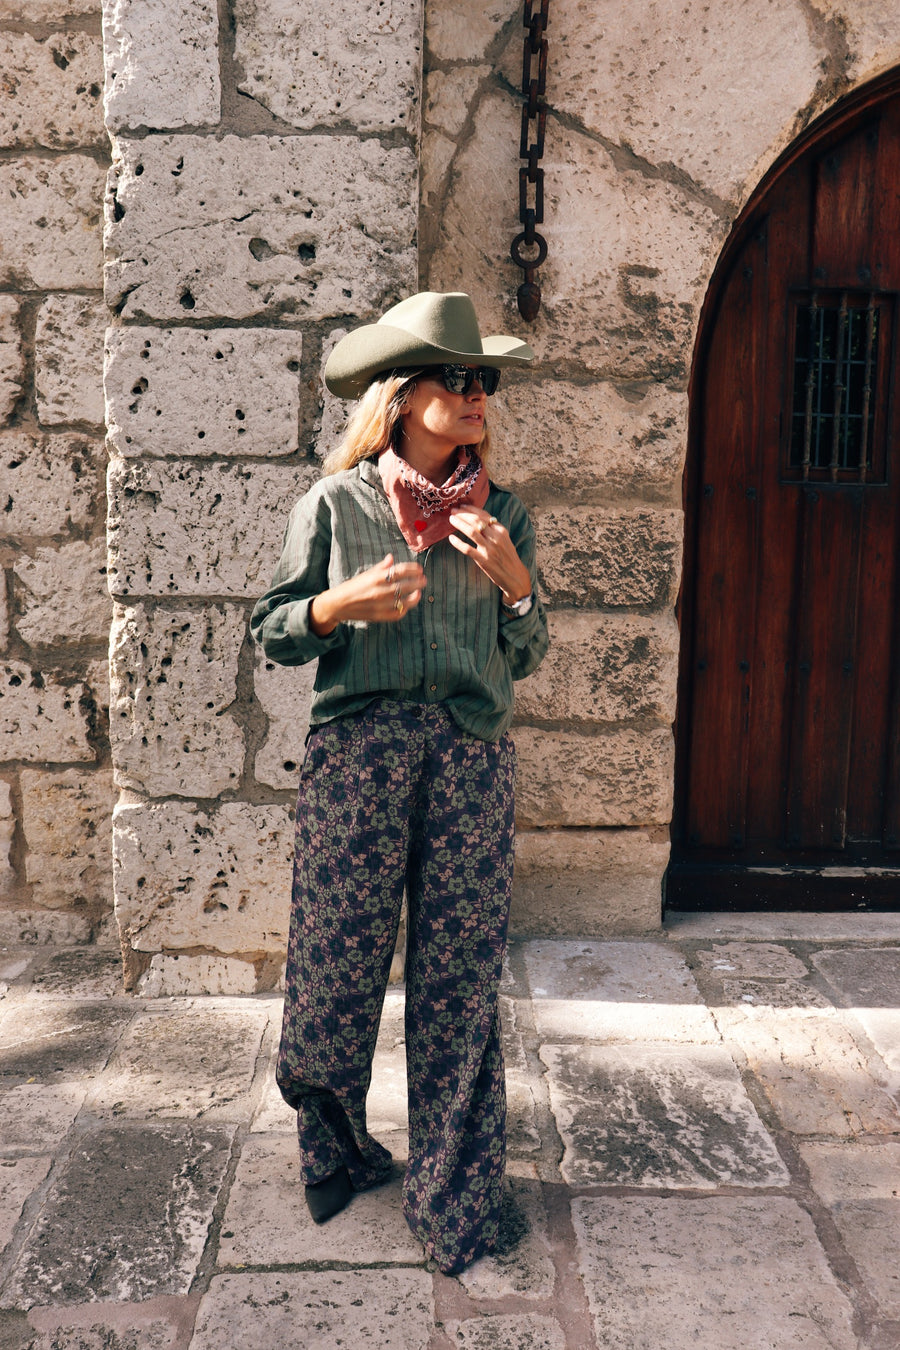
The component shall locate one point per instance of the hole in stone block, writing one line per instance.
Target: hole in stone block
(261, 249)
(307, 252)
(187, 300)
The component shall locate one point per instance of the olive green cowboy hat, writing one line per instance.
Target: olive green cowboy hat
(429, 329)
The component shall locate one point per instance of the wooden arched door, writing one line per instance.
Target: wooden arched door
(788, 735)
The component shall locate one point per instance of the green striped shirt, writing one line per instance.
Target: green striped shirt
(458, 646)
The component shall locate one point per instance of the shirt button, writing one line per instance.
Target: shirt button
(431, 599)
(434, 646)
(433, 688)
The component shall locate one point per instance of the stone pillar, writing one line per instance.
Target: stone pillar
(55, 773)
(263, 198)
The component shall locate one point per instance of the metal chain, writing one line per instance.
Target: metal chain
(534, 109)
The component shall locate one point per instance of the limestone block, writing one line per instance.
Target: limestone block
(42, 717)
(859, 1183)
(188, 878)
(869, 28)
(868, 981)
(116, 1327)
(83, 973)
(601, 882)
(195, 1061)
(4, 613)
(696, 1272)
(196, 529)
(620, 778)
(314, 67)
(450, 96)
(151, 1191)
(285, 693)
(162, 63)
(38, 928)
(309, 227)
(51, 91)
(59, 1040)
(7, 833)
(37, 1117)
(176, 976)
(615, 991)
(334, 412)
(173, 677)
(463, 31)
(69, 359)
(589, 442)
(588, 556)
(268, 1182)
(629, 254)
(50, 223)
(66, 819)
(665, 82)
(514, 1331)
(203, 392)
(18, 1178)
(46, 11)
(12, 356)
(521, 1264)
(368, 1309)
(50, 483)
(767, 960)
(604, 668)
(61, 595)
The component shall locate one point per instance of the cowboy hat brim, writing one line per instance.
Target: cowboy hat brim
(377, 347)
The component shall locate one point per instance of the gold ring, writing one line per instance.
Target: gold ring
(493, 521)
(398, 605)
(390, 575)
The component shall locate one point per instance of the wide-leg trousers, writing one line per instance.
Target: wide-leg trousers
(396, 797)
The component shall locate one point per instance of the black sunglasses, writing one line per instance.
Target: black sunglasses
(459, 379)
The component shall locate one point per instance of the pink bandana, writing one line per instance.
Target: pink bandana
(422, 508)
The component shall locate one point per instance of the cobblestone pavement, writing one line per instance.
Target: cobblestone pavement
(704, 1152)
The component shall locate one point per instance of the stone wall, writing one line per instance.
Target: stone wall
(262, 198)
(663, 117)
(56, 790)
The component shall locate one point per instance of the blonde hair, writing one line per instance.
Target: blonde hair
(375, 422)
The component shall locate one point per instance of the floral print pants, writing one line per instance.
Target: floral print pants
(398, 796)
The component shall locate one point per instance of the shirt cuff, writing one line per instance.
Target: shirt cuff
(300, 632)
(518, 632)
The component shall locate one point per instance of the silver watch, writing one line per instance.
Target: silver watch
(521, 607)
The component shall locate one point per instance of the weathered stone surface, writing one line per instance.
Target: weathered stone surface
(126, 1219)
(51, 91)
(868, 980)
(42, 716)
(174, 675)
(37, 928)
(312, 71)
(767, 960)
(371, 1230)
(771, 993)
(162, 63)
(521, 1264)
(619, 778)
(83, 973)
(50, 222)
(69, 359)
(37, 1118)
(615, 991)
(604, 668)
(50, 483)
(38, 1039)
(368, 1309)
(12, 356)
(194, 1061)
(7, 832)
(522, 1331)
(18, 1178)
(463, 31)
(66, 819)
(450, 97)
(46, 11)
(586, 442)
(601, 882)
(307, 226)
(203, 392)
(617, 558)
(61, 595)
(666, 85)
(621, 298)
(171, 976)
(812, 1070)
(860, 1185)
(870, 31)
(827, 926)
(688, 1273)
(673, 1116)
(188, 878)
(198, 529)
(274, 1116)
(285, 693)
(138, 1327)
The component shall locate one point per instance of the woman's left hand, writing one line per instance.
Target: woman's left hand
(488, 544)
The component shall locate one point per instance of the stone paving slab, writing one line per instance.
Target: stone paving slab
(766, 960)
(774, 926)
(524, 1332)
(193, 1061)
(37, 1039)
(861, 1186)
(657, 1116)
(18, 1178)
(126, 1219)
(708, 1274)
(157, 1324)
(522, 1264)
(362, 1309)
(37, 1118)
(819, 1080)
(868, 980)
(267, 1222)
(632, 991)
(88, 974)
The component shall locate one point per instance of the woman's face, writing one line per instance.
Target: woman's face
(433, 413)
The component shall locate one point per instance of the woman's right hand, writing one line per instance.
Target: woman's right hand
(381, 594)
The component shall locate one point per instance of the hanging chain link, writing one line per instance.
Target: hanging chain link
(531, 175)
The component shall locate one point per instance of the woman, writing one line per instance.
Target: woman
(411, 578)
